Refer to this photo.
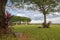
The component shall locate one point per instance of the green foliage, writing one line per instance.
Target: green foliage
(25, 19)
(15, 18)
(46, 6)
(19, 18)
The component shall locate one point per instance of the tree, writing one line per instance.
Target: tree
(20, 19)
(26, 20)
(46, 6)
(16, 19)
(3, 18)
(2, 14)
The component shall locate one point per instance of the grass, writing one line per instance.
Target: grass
(7, 37)
(35, 33)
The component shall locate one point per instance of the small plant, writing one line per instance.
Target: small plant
(8, 17)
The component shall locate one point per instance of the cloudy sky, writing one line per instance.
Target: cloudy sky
(36, 16)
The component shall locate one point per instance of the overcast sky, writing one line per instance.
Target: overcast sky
(36, 16)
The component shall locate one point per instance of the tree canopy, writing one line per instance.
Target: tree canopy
(19, 18)
(46, 6)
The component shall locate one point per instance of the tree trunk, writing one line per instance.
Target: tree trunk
(44, 20)
(2, 14)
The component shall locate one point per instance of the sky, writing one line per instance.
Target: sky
(36, 16)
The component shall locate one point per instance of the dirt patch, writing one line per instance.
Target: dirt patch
(21, 36)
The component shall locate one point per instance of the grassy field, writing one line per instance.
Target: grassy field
(34, 33)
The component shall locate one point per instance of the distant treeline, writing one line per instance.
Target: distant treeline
(20, 20)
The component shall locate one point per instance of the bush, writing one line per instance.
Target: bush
(46, 25)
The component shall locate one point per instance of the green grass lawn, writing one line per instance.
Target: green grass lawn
(35, 33)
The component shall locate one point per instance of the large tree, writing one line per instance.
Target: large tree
(20, 19)
(46, 7)
(2, 14)
(3, 17)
